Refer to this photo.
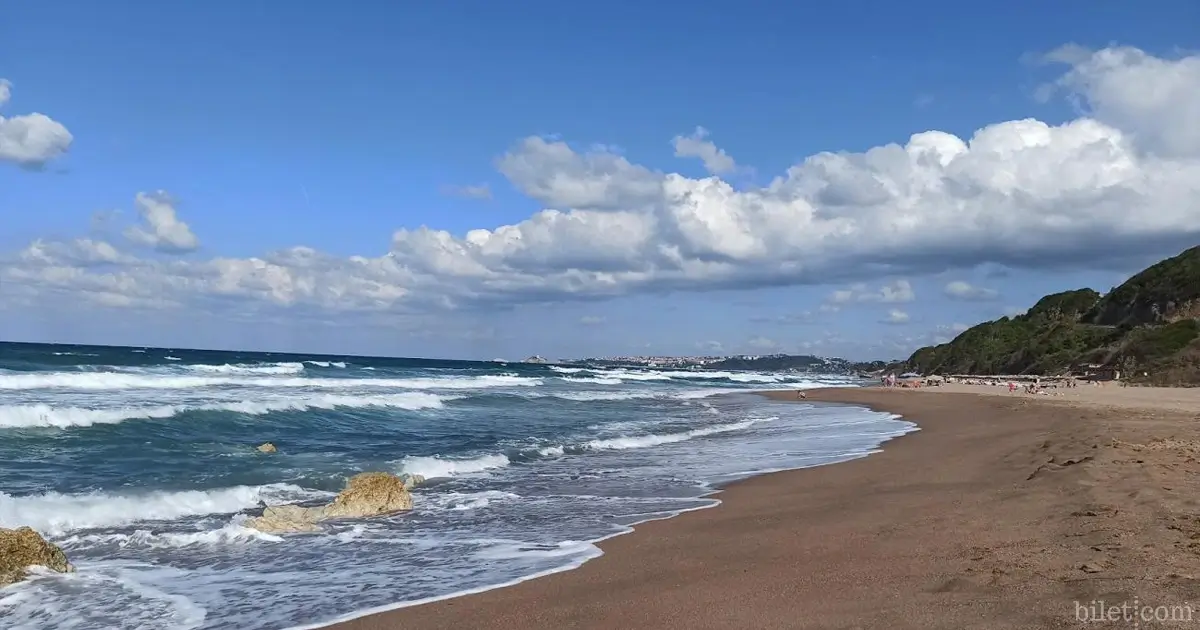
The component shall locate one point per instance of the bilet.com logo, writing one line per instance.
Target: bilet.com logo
(1136, 613)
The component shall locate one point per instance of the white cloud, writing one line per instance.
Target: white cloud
(896, 292)
(762, 343)
(895, 316)
(591, 320)
(960, 290)
(481, 191)
(556, 175)
(1152, 99)
(30, 140)
(161, 228)
(801, 317)
(1016, 194)
(716, 161)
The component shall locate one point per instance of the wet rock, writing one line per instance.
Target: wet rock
(412, 480)
(365, 495)
(288, 519)
(21, 548)
(370, 494)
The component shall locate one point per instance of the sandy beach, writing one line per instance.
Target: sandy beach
(1004, 511)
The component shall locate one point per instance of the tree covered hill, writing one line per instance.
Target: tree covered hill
(1146, 325)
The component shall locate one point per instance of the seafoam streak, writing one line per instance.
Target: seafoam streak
(113, 380)
(42, 415)
(53, 513)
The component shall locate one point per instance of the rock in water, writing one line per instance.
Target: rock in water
(412, 480)
(288, 519)
(23, 547)
(366, 494)
(266, 447)
(370, 494)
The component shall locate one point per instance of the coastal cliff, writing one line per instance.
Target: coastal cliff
(1146, 328)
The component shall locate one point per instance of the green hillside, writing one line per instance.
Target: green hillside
(1146, 325)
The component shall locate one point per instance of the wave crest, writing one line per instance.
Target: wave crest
(53, 513)
(42, 415)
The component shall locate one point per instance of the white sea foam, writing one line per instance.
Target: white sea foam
(98, 596)
(42, 415)
(592, 379)
(597, 396)
(590, 396)
(565, 370)
(432, 467)
(525, 550)
(336, 364)
(462, 501)
(236, 368)
(629, 375)
(645, 441)
(115, 380)
(53, 513)
(231, 534)
(704, 393)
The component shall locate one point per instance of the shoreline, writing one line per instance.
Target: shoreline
(1002, 513)
(776, 396)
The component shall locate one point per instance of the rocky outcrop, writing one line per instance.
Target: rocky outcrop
(288, 519)
(21, 548)
(366, 495)
(370, 494)
(266, 447)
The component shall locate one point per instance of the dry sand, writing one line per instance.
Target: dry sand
(1110, 394)
(1004, 511)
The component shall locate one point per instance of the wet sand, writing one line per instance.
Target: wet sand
(1004, 511)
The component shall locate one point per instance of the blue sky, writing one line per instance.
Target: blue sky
(279, 126)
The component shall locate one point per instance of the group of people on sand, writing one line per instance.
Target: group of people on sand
(891, 380)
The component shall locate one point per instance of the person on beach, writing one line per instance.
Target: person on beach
(800, 395)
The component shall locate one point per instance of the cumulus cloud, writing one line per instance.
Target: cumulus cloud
(801, 317)
(895, 316)
(763, 344)
(30, 140)
(1114, 182)
(896, 292)
(960, 290)
(1152, 99)
(555, 174)
(716, 161)
(481, 191)
(161, 228)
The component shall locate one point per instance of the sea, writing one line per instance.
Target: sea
(141, 464)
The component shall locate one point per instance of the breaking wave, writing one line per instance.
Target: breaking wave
(56, 513)
(434, 467)
(113, 380)
(42, 415)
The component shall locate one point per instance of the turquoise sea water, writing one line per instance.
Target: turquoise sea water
(140, 463)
